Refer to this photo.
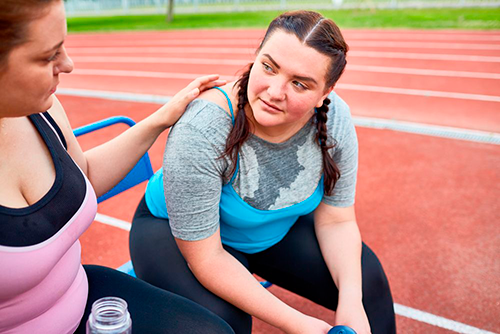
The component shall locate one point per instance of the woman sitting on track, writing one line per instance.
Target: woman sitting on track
(268, 190)
(47, 197)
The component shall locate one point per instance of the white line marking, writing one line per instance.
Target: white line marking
(243, 62)
(424, 45)
(419, 92)
(377, 123)
(364, 88)
(144, 50)
(399, 309)
(427, 129)
(422, 56)
(437, 321)
(143, 74)
(111, 221)
(419, 71)
(432, 35)
(255, 43)
(250, 52)
(160, 60)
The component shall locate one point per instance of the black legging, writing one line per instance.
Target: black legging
(295, 263)
(152, 310)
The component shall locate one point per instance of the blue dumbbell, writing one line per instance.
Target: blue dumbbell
(341, 330)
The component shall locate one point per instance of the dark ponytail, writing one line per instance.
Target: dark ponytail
(241, 128)
(330, 170)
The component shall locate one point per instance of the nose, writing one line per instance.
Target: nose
(65, 64)
(276, 90)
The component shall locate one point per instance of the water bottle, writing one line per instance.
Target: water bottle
(341, 330)
(109, 316)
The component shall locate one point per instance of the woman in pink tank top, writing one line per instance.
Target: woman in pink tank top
(49, 187)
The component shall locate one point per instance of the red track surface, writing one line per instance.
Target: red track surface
(428, 206)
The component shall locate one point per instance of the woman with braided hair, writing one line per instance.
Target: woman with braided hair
(259, 177)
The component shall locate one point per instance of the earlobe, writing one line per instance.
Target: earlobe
(327, 92)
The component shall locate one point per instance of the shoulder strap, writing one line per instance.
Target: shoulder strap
(56, 128)
(228, 103)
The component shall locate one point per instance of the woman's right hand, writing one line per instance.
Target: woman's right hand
(173, 110)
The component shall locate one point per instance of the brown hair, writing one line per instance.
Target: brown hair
(15, 15)
(324, 36)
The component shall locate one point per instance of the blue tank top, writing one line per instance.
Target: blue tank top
(242, 226)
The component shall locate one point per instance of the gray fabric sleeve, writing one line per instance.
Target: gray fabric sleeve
(192, 183)
(345, 155)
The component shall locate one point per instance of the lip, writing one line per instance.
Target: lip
(270, 107)
(53, 90)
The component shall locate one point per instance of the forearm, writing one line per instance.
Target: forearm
(229, 279)
(340, 245)
(110, 162)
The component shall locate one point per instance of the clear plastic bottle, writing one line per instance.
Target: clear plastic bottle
(109, 316)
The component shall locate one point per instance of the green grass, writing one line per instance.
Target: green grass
(447, 18)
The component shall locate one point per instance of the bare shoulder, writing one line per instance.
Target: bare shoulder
(216, 96)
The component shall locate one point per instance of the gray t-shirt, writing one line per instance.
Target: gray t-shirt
(271, 176)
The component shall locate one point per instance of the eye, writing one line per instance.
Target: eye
(267, 67)
(54, 57)
(299, 85)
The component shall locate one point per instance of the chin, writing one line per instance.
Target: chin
(267, 120)
(47, 104)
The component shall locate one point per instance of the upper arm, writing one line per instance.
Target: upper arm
(344, 154)
(74, 150)
(192, 176)
(198, 252)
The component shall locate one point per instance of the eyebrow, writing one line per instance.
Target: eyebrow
(295, 76)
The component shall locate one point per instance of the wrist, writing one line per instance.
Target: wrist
(291, 321)
(352, 292)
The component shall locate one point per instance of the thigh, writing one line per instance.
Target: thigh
(158, 260)
(152, 310)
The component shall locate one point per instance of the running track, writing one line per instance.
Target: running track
(427, 109)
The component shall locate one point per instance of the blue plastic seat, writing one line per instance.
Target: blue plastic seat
(141, 172)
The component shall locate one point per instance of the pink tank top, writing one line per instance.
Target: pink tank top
(43, 286)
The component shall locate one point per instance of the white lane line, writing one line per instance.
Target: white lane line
(250, 52)
(143, 74)
(111, 221)
(161, 60)
(419, 92)
(356, 87)
(424, 45)
(376, 123)
(437, 321)
(243, 62)
(423, 56)
(432, 35)
(427, 129)
(255, 43)
(426, 72)
(144, 50)
(401, 310)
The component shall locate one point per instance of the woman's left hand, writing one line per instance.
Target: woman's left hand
(352, 313)
(172, 111)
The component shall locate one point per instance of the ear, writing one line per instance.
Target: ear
(325, 95)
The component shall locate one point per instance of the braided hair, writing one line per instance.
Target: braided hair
(324, 36)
